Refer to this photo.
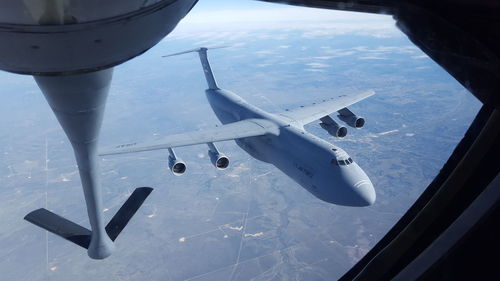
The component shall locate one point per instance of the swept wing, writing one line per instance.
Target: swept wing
(231, 131)
(310, 113)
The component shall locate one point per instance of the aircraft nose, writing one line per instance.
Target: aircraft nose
(362, 191)
(366, 192)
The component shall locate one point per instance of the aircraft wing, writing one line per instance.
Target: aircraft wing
(231, 131)
(310, 113)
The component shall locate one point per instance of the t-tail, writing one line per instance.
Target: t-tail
(202, 52)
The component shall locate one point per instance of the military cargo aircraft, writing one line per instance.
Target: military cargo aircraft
(320, 167)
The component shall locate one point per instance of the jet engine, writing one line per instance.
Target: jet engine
(332, 127)
(350, 118)
(176, 165)
(219, 160)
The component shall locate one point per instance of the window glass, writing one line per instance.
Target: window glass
(251, 220)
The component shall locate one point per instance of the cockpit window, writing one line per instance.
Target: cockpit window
(344, 162)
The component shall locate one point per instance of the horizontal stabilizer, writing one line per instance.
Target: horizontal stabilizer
(202, 52)
(195, 50)
(81, 235)
(127, 211)
(60, 226)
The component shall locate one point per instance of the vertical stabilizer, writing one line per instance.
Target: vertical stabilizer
(212, 84)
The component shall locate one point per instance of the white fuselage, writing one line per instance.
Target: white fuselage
(310, 161)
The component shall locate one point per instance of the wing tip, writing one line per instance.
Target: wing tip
(368, 93)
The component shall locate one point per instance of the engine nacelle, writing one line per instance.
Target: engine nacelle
(332, 127)
(176, 165)
(350, 118)
(219, 160)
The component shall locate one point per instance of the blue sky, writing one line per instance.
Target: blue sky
(248, 15)
(224, 11)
